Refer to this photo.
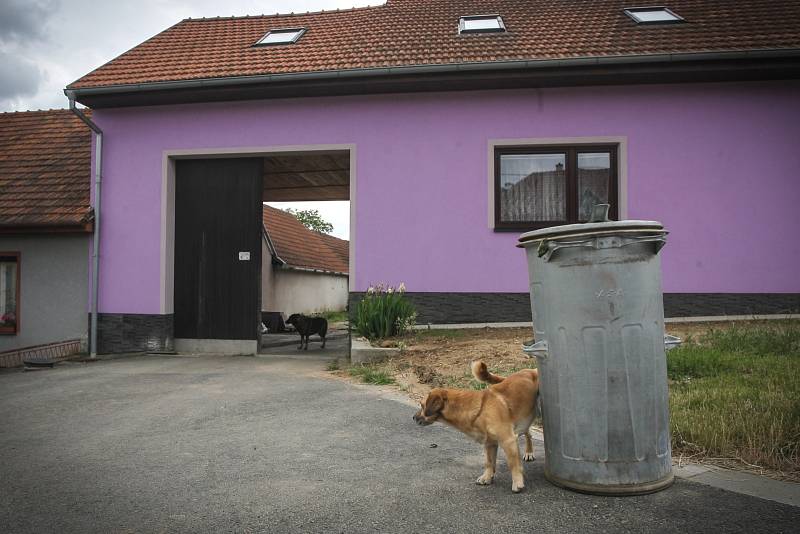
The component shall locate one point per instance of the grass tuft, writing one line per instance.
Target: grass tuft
(333, 316)
(369, 375)
(443, 333)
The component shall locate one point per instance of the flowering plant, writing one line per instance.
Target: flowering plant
(384, 312)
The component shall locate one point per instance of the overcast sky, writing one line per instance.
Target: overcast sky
(46, 44)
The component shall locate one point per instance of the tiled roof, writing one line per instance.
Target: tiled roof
(45, 168)
(300, 247)
(424, 32)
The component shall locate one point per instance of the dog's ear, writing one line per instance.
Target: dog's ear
(435, 403)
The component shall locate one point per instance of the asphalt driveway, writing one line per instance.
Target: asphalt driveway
(244, 444)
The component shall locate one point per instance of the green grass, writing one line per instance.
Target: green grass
(445, 333)
(735, 394)
(467, 381)
(370, 375)
(333, 316)
(333, 365)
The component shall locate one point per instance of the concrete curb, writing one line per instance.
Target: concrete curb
(295, 339)
(697, 319)
(362, 352)
(741, 482)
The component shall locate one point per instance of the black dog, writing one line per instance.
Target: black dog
(308, 325)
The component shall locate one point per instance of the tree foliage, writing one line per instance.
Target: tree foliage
(312, 220)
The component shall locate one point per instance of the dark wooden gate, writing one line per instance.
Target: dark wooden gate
(217, 217)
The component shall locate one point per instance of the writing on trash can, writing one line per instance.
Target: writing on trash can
(608, 293)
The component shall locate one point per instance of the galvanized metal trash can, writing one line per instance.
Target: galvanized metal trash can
(598, 321)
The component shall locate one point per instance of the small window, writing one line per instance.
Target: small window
(9, 292)
(481, 24)
(652, 15)
(282, 36)
(542, 186)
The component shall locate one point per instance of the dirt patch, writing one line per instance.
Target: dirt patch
(441, 358)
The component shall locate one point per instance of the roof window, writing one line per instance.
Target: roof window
(281, 36)
(652, 15)
(481, 24)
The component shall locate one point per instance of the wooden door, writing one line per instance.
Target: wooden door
(218, 248)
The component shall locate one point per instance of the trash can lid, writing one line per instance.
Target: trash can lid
(589, 229)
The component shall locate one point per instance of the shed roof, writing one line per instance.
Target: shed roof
(45, 168)
(302, 248)
(406, 33)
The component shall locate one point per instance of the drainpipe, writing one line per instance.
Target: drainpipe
(98, 160)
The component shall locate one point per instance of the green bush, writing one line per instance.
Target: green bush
(384, 312)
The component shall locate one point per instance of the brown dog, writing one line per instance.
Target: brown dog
(495, 415)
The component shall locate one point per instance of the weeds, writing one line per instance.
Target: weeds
(333, 365)
(451, 334)
(333, 316)
(370, 375)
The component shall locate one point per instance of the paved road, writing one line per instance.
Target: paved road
(243, 444)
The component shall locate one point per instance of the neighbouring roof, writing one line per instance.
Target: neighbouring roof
(302, 248)
(45, 167)
(405, 33)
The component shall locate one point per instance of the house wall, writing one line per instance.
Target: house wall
(291, 291)
(54, 277)
(716, 163)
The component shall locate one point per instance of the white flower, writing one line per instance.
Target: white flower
(401, 288)
(370, 290)
(390, 290)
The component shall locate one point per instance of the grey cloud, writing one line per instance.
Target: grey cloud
(18, 77)
(24, 20)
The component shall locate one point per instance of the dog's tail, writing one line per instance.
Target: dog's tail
(480, 372)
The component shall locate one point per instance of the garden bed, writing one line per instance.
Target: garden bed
(734, 387)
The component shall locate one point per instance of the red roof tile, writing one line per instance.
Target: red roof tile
(424, 32)
(45, 167)
(300, 247)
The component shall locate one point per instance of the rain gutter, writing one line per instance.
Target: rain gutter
(271, 246)
(591, 61)
(312, 270)
(98, 163)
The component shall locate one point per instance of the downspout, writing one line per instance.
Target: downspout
(271, 247)
(98, 161)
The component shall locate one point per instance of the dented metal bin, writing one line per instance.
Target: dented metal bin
(599, 329)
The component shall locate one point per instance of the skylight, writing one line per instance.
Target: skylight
(652, 15)
(281, 36)
(481, 24)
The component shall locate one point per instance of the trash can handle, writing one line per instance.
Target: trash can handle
(538, 349)
(671, 342)
(548, 248)
(599, 213)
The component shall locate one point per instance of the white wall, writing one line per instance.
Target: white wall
(290, 291)
(54, 277)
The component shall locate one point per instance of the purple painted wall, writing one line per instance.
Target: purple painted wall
(718, 164)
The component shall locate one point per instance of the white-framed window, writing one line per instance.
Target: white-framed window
(281, 36)
(652, 15)
(481, 24)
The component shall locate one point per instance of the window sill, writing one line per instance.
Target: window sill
(527, 227)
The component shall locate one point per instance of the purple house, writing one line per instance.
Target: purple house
(456, 126)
